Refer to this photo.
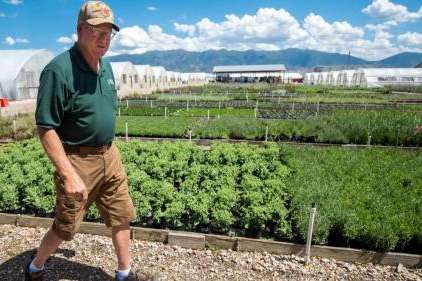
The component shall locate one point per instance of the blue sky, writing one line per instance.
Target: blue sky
(369, 29)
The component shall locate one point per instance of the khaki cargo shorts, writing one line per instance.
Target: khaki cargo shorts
(106, 182)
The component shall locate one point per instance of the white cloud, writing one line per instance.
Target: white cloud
(64, 40)
(151, 8)
(389, 10)
(2, 15)
(67, 40)
(411, 39)
(382, 26)
(267, 29)
(187, 28)
(342, 37)
(321, 30)
(13, 2)
(9, 40)
(22, 40)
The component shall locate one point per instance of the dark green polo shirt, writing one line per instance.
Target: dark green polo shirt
(77, 102)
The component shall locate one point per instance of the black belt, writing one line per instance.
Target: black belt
(77, 149)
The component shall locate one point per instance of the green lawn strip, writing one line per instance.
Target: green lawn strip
(25, 127)
(160, 126)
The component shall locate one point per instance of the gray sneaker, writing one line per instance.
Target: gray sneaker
(139, 276)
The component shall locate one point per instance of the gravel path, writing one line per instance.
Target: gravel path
(90, 257)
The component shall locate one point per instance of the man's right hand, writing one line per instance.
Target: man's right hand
(75, 187)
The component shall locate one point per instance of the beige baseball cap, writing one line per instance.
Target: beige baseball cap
(95, 13)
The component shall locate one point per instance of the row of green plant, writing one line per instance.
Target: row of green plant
(324, 93)
(172, 185)
(393, 128)
(192, 112)
(369, 198)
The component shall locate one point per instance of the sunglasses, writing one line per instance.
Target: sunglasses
(101, 34)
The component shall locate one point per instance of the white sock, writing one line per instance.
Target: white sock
(33, 268)
(123, 273)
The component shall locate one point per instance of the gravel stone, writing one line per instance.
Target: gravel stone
(91, 257)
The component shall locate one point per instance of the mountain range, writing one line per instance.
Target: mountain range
(293, 59)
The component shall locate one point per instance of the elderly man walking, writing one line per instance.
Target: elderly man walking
(75, 115)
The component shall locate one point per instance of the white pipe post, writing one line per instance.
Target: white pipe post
(187, 104)
(119, 111)
(219, 105)
(14, 127)
(310, 231)
(127, 103)
(151, 104)
(190, 135)
(247, 98)
(266, 133)
(208, 114)
(293, 106)
(126, 132)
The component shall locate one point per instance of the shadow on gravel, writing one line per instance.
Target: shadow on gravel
(57, 268)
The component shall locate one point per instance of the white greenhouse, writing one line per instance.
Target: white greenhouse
(345, 78)
(126, 78)
(322, 78)
(160, 78)
(174, 79)
(21, 70)
(379, 77)
(367, 77)
(146, 75)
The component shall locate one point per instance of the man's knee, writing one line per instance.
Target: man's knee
(65, 232)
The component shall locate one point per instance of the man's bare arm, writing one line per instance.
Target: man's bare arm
(73, 184)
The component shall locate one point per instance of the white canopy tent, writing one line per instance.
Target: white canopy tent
(21, 70)
(126, 78)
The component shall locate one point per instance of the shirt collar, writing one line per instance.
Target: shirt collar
(81, 62)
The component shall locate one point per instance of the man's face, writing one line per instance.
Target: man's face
(96, 39)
